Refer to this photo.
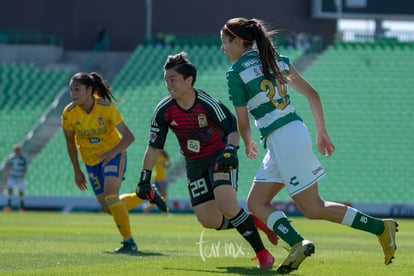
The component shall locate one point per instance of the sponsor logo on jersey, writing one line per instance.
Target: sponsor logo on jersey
(250, 62)
(94, 140)
(110, 169)
(221, 176)
(92, 133)
(294, 181)
(193, 145)
(153, 136)
(202, 120)
(317, 170)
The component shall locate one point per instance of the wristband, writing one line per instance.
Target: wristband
(145, 176)
(232, 147)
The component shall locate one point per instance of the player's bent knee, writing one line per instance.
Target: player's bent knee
(228, 208)
(312, 213)
(209, 223)
(254, 205)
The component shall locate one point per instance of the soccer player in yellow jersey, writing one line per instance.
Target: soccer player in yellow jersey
(93, 124)
(162, 163)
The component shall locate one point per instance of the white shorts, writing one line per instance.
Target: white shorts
(290, 159)
(17, 182)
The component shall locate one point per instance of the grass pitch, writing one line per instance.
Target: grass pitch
(47, 243)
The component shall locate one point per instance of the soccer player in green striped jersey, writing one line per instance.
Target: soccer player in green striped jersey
(258, 85)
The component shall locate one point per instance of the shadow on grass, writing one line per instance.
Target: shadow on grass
(230, 269)
(248, 270)
(137, 253)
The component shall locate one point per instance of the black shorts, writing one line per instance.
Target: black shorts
(203, 179)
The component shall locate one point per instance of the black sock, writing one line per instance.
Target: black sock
(245, 226)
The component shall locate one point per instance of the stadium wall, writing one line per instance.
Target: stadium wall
(77, 22)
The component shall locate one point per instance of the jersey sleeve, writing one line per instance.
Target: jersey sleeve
(229, 124)
(65, 118)
(221, 114)
(159, 129)
(115, 115)
(236, 89)
(283, 63)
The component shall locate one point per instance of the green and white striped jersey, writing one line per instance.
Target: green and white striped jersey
(266, 100)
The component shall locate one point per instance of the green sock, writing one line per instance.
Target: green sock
(283, 228)
(361, 221)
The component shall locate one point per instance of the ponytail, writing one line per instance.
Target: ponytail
(102, 87)
(98, 84)
(250, 30)
(268, 54)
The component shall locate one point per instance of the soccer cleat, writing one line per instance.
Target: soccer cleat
(271, 236)
(265, 259)
(297, 254)
(159, 200)
(387, 240)
(129, 246)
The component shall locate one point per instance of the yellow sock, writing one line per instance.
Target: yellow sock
(120, 215)
(131, 200)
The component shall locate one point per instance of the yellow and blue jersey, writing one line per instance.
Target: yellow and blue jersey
(95, 132)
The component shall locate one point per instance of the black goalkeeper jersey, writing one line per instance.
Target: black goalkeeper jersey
(200, 130)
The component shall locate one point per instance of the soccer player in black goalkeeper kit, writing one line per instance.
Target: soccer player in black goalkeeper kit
(207, 134)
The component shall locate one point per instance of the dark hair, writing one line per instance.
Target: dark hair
(181, 65)
(100, 86)
(255, 30)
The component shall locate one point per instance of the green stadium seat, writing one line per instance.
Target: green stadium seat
(358, 99)
(21, 84)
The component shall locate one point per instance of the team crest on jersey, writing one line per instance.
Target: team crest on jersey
(202, 120)
(101, 121)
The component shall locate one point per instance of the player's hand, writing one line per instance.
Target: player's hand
(251, 150)
(80, 181)
(144, 189)
(228, 160)
(324, 144)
